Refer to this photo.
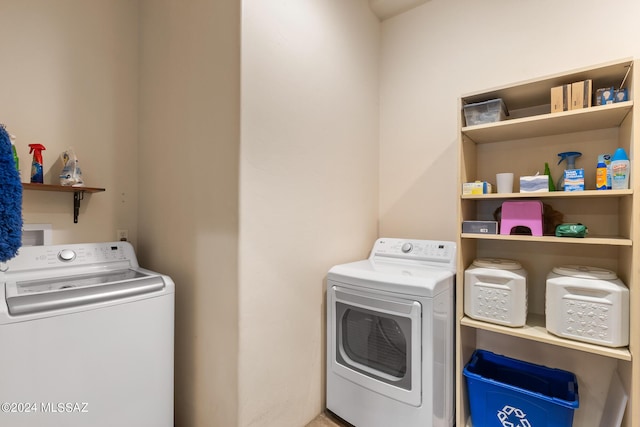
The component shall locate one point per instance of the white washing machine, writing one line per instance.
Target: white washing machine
(390, 336)
(86, 339)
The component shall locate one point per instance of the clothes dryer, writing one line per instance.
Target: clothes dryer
(390, 336)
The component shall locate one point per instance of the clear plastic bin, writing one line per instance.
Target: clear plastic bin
(490, 111)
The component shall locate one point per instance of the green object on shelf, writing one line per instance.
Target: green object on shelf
(571, 230)
(547, 171)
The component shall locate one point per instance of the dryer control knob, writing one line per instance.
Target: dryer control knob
(66, 255)
(407, 247)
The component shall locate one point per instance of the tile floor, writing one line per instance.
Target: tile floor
(326, 419)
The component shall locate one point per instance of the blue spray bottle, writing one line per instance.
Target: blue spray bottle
(570, 157)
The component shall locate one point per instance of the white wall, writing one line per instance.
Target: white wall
(308, 190)
(69, 78)
(436, 52)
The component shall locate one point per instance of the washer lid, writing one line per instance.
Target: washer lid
(35, 296)
(497, 263)
(584, 272)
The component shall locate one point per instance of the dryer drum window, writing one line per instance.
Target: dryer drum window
(375, 344)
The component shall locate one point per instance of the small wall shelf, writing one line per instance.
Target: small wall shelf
(78, 193)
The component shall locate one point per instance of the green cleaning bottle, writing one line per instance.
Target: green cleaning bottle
(547, 171)
(15, 153)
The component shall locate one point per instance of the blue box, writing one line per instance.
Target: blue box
(606, 95)
(620, 95)
(504, 391)
(574, 180)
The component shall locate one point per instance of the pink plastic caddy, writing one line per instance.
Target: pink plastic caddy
(525, 214)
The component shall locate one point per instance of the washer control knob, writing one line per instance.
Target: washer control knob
(407, 247)
(66, 255)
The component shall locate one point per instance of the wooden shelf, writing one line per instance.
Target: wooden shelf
(522, 144)
(536, 91)
(535, 330)
(60, 188)
(549, 195)
(78, 193)
(600, 117)
(592, 240)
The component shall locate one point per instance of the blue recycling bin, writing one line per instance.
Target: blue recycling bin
(505, 392)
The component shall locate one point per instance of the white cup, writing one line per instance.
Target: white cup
(505, 182)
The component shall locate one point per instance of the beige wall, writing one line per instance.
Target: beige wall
(308, 190)
(442, 50)
(69, 77)
(438, 51)
(189, 145)
(297, 191)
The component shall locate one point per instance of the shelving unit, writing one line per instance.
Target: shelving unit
(78, 193)
(522, 145)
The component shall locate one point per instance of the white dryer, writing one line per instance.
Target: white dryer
(87, 339)
(390, 336)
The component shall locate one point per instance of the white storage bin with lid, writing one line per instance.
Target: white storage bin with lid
(496, 291)
(587, 304)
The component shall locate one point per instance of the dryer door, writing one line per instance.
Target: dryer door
(376, 342)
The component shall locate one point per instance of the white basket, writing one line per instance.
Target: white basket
(496, 291)
(588, 304)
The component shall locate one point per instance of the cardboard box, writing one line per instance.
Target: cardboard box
(560, 98)
(581, 94)
(606, 95)
(574, 180)
(478, 187)
(620, 95)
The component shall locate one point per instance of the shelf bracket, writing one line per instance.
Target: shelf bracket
(77, 196)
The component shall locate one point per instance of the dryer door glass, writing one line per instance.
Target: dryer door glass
(377, 344)
(376, 341)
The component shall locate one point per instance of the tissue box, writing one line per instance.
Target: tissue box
(478, 187)
(534, 184)
(574, 180)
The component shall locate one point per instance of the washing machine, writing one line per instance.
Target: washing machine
(390, 335)
(87, 339)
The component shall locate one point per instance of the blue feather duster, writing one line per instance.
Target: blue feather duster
(10, 200)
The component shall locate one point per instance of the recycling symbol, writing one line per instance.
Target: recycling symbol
(513, 417)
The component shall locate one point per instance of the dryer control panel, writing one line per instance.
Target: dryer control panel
(429, 252)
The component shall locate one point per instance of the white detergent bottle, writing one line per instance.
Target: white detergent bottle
(620, 169)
